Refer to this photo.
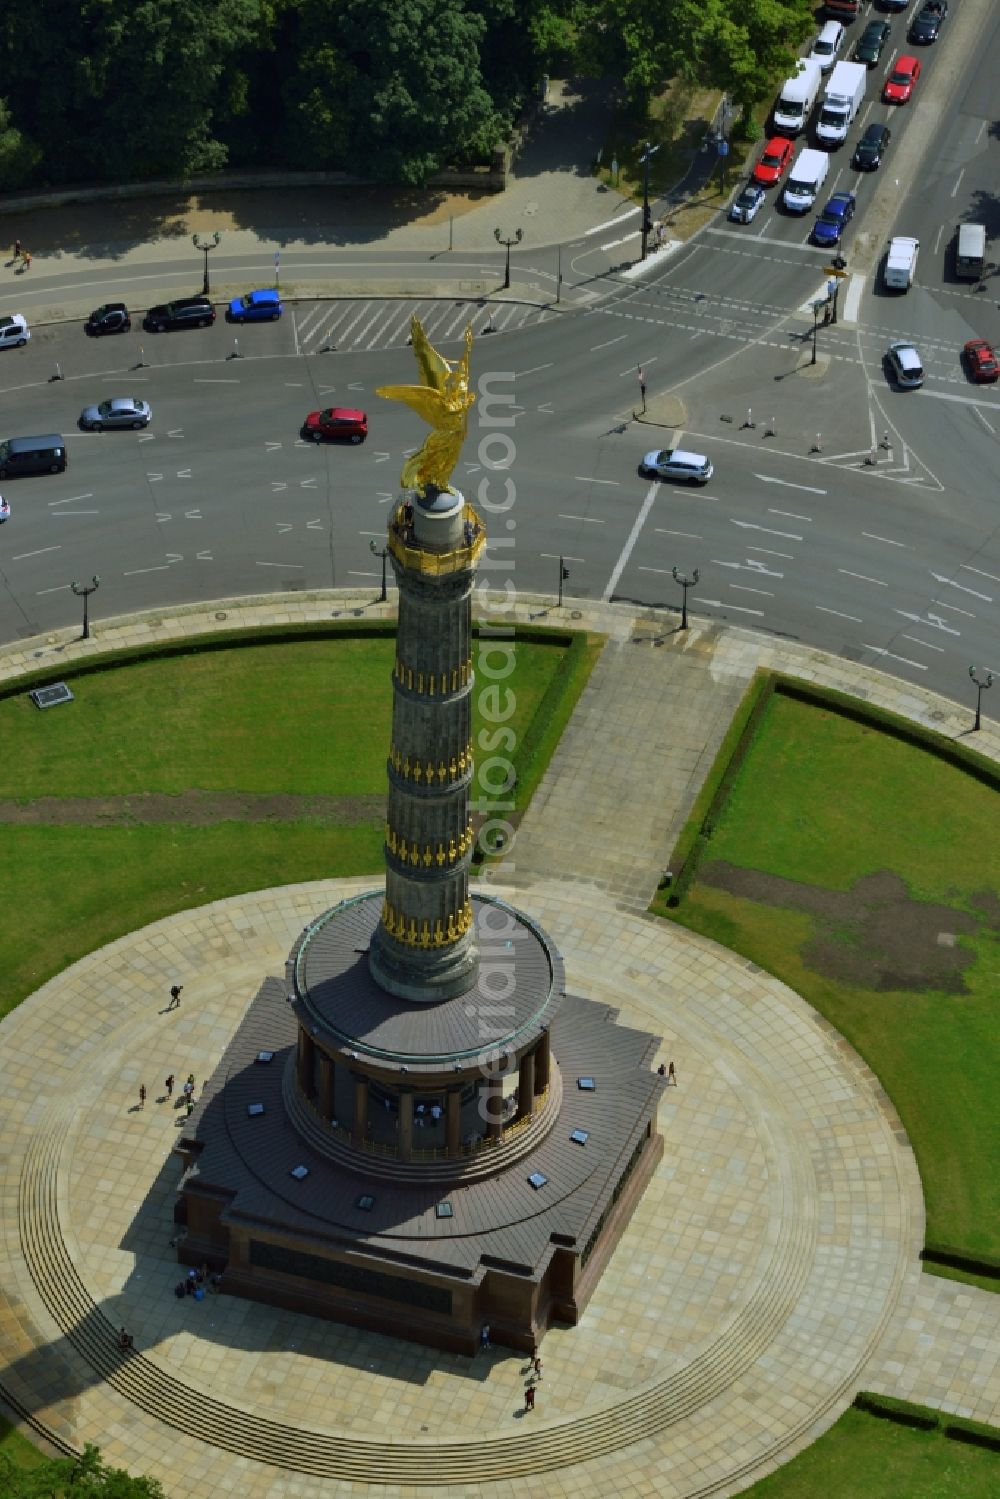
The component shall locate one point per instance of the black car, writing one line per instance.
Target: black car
(868, 151)
(113, 317)
(927, 22)
(186, 312)
(871, 42)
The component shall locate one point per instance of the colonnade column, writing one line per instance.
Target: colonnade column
(494, 1108)
(543, 1063)
(326, 1076)
(359, 1127)
(405, 1126)
(305, 1060)
(453, 1120)
(526, 1085)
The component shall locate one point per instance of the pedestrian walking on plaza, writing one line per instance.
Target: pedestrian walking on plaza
(175, 996)
(484, 1337)
(169, 1085)
(671, 1075)
(536, 1364)
(529, 1398)
(661, 1071)
(17, 251)
(190, 1107)
(26, 260)
(142, 1095)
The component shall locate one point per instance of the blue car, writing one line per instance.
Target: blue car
(255, 307)
(834, 219)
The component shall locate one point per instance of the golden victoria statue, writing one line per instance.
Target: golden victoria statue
(443, 401)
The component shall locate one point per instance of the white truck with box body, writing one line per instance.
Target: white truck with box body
(805, 179)
(797, 97)
(841, 102)
(901, 262)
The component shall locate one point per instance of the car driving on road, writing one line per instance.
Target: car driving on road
(774, 159)
(256, 307)
(870, 148)
(745, 205)
(871, 42)
(981, 361)
(834, 219)
(901, 81)
(338, 423)
(926, 23)
(906, 365)
(186, 312)
(120, 411)
(676, 463)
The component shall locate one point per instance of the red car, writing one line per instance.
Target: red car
(337, 422)
(981, 361)
(775, 158)
(899, 84)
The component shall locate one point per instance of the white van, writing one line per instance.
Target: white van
(970, 251)
(901, 262)
(797, 97)
(805, 180)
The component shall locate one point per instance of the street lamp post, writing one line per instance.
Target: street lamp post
(516, 240)
(819, 302)
(980, 689)
(83, 591)
(205, 248)
(685, 583)
(647, 222)
(383, 554)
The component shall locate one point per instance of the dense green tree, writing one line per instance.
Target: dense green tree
(86, 1478)
(18, 155)
(740, 48)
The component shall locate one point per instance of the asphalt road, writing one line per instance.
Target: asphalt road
(896, 561)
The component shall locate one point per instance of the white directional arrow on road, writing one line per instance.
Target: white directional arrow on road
(750, 566)
(163, 515)
(307, 483)
(314, 525)
(193, 515)
(283, 525)
(272, 447)
(928, 619)
(383, 498)
(278, 488)
(148, 437)
(153, 478)
(176, 432)
(203, 557)
(175, 557)
(939, 578)
(183, 473)
(381, 457)
(356, 385)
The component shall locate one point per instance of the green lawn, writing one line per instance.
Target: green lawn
(300, 717)
(862, 1457)
(824, 801)
(18, 1448)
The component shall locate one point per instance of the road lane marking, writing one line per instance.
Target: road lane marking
(60, 588)
(929, 619)
(968, 568)
(943, 604)
(862, 577)
(958, 183)
(687, 535)
(854, 618)
(523, 374)
(787, 484)
(640, 364)
(745, 588)
(589, 520)
(610, 223)
(589, 479)
(747, 525)
(736, 608)
(561, 557)
(881, 651)
(137, 572)
(853, 299)
(767, 551)
(633, 537)
(23, 556)
(70, 500)
(926, 644)
(870, 536)
(618, 340)
(281, 564)
(988, 425)
(789, 514)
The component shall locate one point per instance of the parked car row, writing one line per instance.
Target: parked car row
(260, 306)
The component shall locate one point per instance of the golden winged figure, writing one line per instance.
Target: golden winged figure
(443, 401)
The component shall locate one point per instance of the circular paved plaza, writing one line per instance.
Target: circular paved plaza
(732, 1325)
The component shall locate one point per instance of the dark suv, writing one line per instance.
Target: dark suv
(186, 312)
(113, 317)
(871, 41)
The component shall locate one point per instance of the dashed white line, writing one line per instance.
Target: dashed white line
(870, 536)
(792, 514)
(926, 644)
(687, 535)
(854, 618)
(862, 577)
(745, 588)
(589, 520)
(747, 525)
(986, 597)
(881, 651)
(23, 556)
(967, 568)
(767, 552)
(735, 608)
(620, 339)
(565, 557)
(589, 479)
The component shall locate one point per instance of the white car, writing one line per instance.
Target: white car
(745, 205)
(676, 463)
(4, 509)
(14, 331)
(120, 411)
(906, 365)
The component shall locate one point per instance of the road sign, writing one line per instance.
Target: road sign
(832, 270)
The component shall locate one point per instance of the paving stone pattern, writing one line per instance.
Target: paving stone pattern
(770, 1270)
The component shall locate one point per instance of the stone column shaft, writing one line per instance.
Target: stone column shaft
(526, 1085)
(453, 1120)
(359, 1128)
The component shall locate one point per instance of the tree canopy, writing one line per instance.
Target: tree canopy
(88, 1478)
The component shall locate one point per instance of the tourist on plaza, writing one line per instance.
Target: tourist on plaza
(175, 996)
(484, 1336)
(168, 1083)
(142, 1095)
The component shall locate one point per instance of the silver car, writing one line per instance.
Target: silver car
(123, 411)
(906, 366)
(677, 463)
